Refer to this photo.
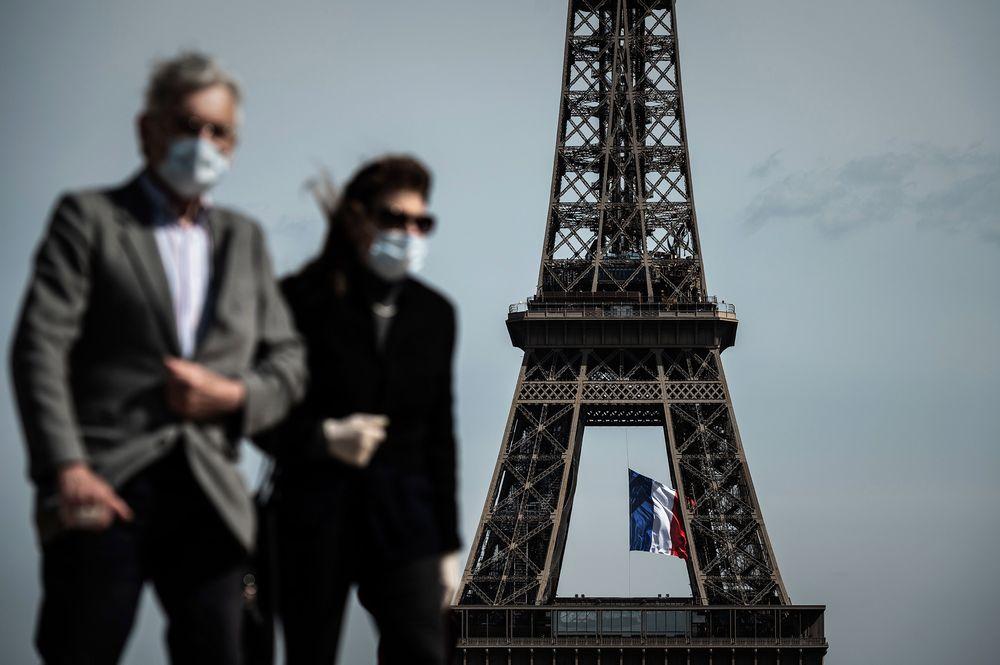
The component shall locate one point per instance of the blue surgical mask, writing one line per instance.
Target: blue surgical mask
(416, 253)
(192, 166)
(395, 253)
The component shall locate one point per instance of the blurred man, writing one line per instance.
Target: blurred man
(152, 338)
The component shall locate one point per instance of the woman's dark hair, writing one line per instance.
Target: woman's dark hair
(351, 225)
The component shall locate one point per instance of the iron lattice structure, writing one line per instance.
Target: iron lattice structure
(621, 332)
(621, 219)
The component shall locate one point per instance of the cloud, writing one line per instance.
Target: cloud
(764, 168)
(928, 187)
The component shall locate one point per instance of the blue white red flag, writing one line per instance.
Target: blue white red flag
(655, 514)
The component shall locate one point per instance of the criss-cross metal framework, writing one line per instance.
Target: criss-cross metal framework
(620, 215)
(620, 331)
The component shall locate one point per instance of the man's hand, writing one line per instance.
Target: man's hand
(449, 578)
(354, 439)
(195, 392)
(86, 501)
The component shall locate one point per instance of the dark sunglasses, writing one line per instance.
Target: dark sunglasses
(192, 125)
(387, 218)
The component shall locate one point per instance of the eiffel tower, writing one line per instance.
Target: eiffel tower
(621, 331)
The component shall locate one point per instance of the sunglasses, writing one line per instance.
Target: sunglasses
(387, 218)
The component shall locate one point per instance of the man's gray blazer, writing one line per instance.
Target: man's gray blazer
(97, 322)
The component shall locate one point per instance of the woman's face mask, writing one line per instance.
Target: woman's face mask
(394, 253)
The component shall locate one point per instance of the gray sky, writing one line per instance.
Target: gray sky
(846, 166)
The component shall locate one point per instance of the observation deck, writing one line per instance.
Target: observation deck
(641, 630)
(538, 323)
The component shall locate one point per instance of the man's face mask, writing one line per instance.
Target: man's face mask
(394, 253)
(192, 166)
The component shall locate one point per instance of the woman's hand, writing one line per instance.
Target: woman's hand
(449, 578)
(354, 439)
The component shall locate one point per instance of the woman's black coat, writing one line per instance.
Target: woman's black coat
(402, 506)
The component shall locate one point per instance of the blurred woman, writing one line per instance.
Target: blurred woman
(365, 470)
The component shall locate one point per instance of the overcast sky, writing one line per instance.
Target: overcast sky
(846, 166)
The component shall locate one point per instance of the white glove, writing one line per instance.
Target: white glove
(354, 439)
(449, 578)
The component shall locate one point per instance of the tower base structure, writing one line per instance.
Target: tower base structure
(640, 631)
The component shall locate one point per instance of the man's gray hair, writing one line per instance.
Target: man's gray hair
(187, 72)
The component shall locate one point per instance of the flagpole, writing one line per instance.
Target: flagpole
(628, 552)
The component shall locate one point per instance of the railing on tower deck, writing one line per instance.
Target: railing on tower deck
(598, 624)
(709, 306)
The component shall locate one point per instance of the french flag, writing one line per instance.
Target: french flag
(656, 517)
